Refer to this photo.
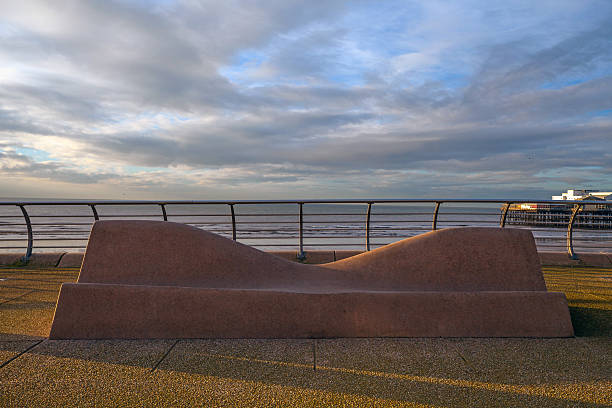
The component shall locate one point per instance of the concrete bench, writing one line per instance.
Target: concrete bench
(150, 279)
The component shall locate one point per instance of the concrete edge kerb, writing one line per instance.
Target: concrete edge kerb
(75, 259)
(562, 259)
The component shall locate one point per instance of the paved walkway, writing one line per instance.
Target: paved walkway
(334, 372)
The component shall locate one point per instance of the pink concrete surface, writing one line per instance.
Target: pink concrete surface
(562, 259)
(345, 253)
(10, 259)
(601, 260)
(45, 259)
(463, 282)
(452, 259)
(94, 311)
(288, 255)
(318, 257)
(311, 257)
(71, 260)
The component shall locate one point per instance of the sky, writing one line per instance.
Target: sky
(287, 99)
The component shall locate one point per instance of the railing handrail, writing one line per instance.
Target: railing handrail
(305, 201)
(576, 205)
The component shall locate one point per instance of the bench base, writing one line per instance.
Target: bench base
(108, 311)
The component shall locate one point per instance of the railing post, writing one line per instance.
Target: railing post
(233, 221)
(502, 221)
(570, 228)
(163, 208)
(369, 213)
(434, 223)
(95, 213)
(28, 253)
(301, 256)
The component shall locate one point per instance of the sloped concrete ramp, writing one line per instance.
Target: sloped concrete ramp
(150, 279)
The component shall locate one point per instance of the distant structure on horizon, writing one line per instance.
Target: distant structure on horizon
(584, 195)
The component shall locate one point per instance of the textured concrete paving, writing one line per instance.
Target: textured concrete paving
(428, 372)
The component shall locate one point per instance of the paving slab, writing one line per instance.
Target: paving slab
(198, 390)
(574, 370)
(80, 373)
(474, 372)
(8, 293)
(589, 295)
(31, 313)
(253, 359)
(36, 278)
(269, 364)
(24, 319)
(74, 373)
(18, 283)
(411, 370)
(11, 348)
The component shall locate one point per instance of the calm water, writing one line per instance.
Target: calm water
(275, 227)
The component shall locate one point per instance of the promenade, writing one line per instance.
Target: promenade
(423, 372)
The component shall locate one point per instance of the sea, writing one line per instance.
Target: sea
(276, 226)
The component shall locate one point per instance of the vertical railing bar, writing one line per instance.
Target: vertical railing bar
(163, 208)
(301, 256)
(434, 223)
(28, 253)
(570, 227)
(95, 213)
(368, 214)
(502, 221)
(233, 221)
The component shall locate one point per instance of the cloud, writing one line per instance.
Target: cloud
(287, 97)
(18, 165)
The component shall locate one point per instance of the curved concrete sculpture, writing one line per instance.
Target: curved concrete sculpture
(150, 279)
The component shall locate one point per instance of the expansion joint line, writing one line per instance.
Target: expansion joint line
(7, 362)
(470, 366)
(314, 355)
(17, 297)
(164, 356)
(60, 259)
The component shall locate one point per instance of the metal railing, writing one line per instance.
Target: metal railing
(305, 224)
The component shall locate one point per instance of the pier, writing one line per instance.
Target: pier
(558, 216)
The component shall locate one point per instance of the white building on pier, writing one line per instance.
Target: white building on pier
(583, 194)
